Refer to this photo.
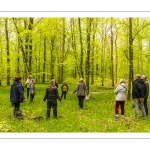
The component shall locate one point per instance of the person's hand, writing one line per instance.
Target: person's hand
(24, 100)
(141, 99)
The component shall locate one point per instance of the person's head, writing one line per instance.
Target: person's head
(144, 77)
(122, 81)
(81, 80)
(33, 80)
(52, 83)
(138, 76)
(17, 79)
(30, 77)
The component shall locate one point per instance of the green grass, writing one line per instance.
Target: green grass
(97, 115)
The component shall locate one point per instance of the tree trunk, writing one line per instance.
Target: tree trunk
(30, 27)
(44, 63)
(81, 47)
(111, 53)
(130, 59)
(63, 51)
(8, 53)
(88, 32)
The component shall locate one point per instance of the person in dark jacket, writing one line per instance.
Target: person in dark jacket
(144, 78)
(51, 95)
(81, 90)
(64, 90)
(138, 95)
(17, 94)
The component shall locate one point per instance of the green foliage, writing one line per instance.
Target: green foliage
(97, 115)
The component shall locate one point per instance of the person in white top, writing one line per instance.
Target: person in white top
(28, 84)
(120, 92)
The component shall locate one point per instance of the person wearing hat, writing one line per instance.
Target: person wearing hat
(28, 84)
(120, 92)
(81, 90)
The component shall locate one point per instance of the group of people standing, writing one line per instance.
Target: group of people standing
(51, 94)
(140, 93)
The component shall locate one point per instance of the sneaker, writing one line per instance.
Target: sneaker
(116, 118)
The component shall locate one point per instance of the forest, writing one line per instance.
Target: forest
(101, 50)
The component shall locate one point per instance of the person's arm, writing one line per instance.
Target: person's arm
(135, 88)
(21, 93)
(75, 89)
(117, 89)
(57, 95)
(46, 94)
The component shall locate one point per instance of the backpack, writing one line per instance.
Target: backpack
(65, 88)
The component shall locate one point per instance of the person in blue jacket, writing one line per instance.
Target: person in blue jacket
(17, 94)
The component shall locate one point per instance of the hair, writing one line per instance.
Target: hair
(52, 84)
(17, 78)
(144, 76)
(122, 81)
(81, 80)
(138, 76)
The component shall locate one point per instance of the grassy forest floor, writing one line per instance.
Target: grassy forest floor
(96, 116)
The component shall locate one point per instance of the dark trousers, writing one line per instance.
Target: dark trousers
(31, 97)
(51, 104)
(81, 99)
(121, 104)
(16, 106)
(145, 106)
(28, 89)
(63, 94)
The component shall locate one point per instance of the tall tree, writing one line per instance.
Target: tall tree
(112, 53)
(88, 40)
(81, 49)
(8, 51)
(130, 79)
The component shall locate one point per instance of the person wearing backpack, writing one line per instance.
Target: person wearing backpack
(64, 90)
(81, 90)
(51, 96)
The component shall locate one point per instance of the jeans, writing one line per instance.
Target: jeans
(51, 103)
(81, 99)
(138, 103)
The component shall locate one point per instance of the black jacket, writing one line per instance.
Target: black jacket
(51, 93)
(139, 89)
(16, 92)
